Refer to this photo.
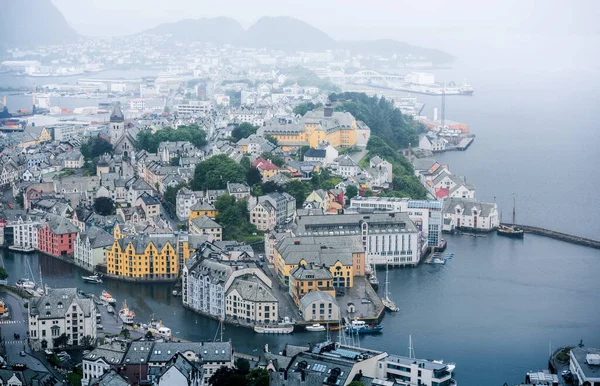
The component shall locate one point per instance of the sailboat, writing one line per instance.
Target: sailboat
(373, 278)
(511, 231)
(387, 303)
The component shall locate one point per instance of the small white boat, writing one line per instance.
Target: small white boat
(175, 293)
(26, 284)
(107, 298)
(315, 328)
(126, 314)
(110, 309)
(158, 329)
(92, 279)
(437, 260)
(390, 305)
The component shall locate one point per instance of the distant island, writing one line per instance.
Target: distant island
(275, 33)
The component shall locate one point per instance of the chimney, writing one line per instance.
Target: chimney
(296, 242)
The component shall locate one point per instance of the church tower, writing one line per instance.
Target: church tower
(117, 124)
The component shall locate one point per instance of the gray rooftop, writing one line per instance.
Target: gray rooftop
(316, 296)
(56, 304)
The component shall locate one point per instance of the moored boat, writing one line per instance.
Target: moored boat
(158, 329)
(26, 284)
(107, 298)
(110, 309)
(362, 328)
(315, 328)
(96, 279)
(126, 315)
(274, 329)
(510, 231)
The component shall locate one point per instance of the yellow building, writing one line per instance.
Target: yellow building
(309, 278)
(146, 256)
(45, 136)
(338, 128)
(203, 208)
(341, 255)
(206, 227)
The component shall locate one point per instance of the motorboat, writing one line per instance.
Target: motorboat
(110, 309)
(95, 279)
(26, 284)
(315, 328)
(362, 328)
(108, 298)
(438, 260)
(126, 315)
(157, 328)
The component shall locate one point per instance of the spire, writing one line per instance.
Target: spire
(117, 114)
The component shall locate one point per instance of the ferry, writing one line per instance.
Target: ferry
(362, 328)
(126, 315)
(284, 327)
(95, 279)
(315, 328)
(107, 298)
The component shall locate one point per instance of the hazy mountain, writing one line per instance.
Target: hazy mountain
(27, 23)
(287, 33)
(391, 47)
(218, 30)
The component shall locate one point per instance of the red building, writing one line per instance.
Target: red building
(57, 236)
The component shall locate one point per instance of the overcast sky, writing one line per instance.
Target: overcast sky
(409, 20)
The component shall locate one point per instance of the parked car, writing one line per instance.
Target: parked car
(22, 353)
(99, 327)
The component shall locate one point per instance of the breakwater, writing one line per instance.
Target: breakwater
(559, 236)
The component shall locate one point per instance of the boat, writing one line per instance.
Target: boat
(107, 298)
(157, 328)
(274, 329)
(441, 247)
(373, 280)
(449, 366)
(336, 328)
(438, 260)
(286, 326)
(110, 309)
(387, 302)
(362, 328)
(26, 284)
(175, 293)
(96, 279)
(126, 315)
(315, 328)
(511, 230)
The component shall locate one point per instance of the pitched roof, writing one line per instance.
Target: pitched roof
(117, 115)
(316, 296)
(252, 289)
(263, 164)
(110, 378)
(203, 222)
(55, 304)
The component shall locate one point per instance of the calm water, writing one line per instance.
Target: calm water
(496, 307)
(493, 309)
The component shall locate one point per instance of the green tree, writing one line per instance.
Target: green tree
(149, 335)
(61, 341)
(245, 162)
(86, 341)
(242, 365)
(215, 172)
(171, 193)
(272, 139)
(224, 201)
(235, 98)
(303, 108)
(270, 187)
(95, 147)
(257, 190)
(258, 377)
(20, 199)
(146, 140)
(351, 191)
(243, 130)
(253, 176)
(234, 218)
(299, 190)
(368, 193)
(356, 383)
(104, 206)
(125, 333)
(3, 274)
(174, 161)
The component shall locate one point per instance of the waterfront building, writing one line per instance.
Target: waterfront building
(206, 283)
(412, 371)
(310, 278)
(90, 247)
(585, 365)
(25, 232)
(387, 238)
(249, 300)
(57, 236)
(185, 200)
(433, 143)
(319, 306)
(425, 214)
(147, 256)
(468, 214)
(61, 311)
(264, 216)
(205, 226)
(337, 128)
(202, 208)
(343, 256)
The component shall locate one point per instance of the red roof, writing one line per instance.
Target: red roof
(263, 164)
(442, 192)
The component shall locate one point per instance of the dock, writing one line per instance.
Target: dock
(559, 236)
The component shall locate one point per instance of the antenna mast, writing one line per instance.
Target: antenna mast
(514, 210)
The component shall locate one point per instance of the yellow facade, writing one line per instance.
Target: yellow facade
(337, 270)
(151, 263)
(212, 214)
(313, 134)
(44, 136)
(300, 287)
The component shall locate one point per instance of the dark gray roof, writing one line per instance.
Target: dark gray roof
(110, 378)
(203, 222)
(580, 353)
(350, 224)
(467, 205)
(98, 237)
(315, 153)
(310, 271)
(117, 115)
(138, 353)
(208, 351)
(56, 304)
(111, 353)
(252, 289)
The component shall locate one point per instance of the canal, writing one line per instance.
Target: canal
(494, 309)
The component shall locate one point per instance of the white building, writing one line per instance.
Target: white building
(425, 214)
(319, 306)
(411, 371)
(585, 365)
(187, 198)
(250, 300)
(101, 359)
(25, 233)
(61, 311)
(471, 215)
(90, 247)
(345, 166)
(388, 238)
(194, 107)
(433, 143)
